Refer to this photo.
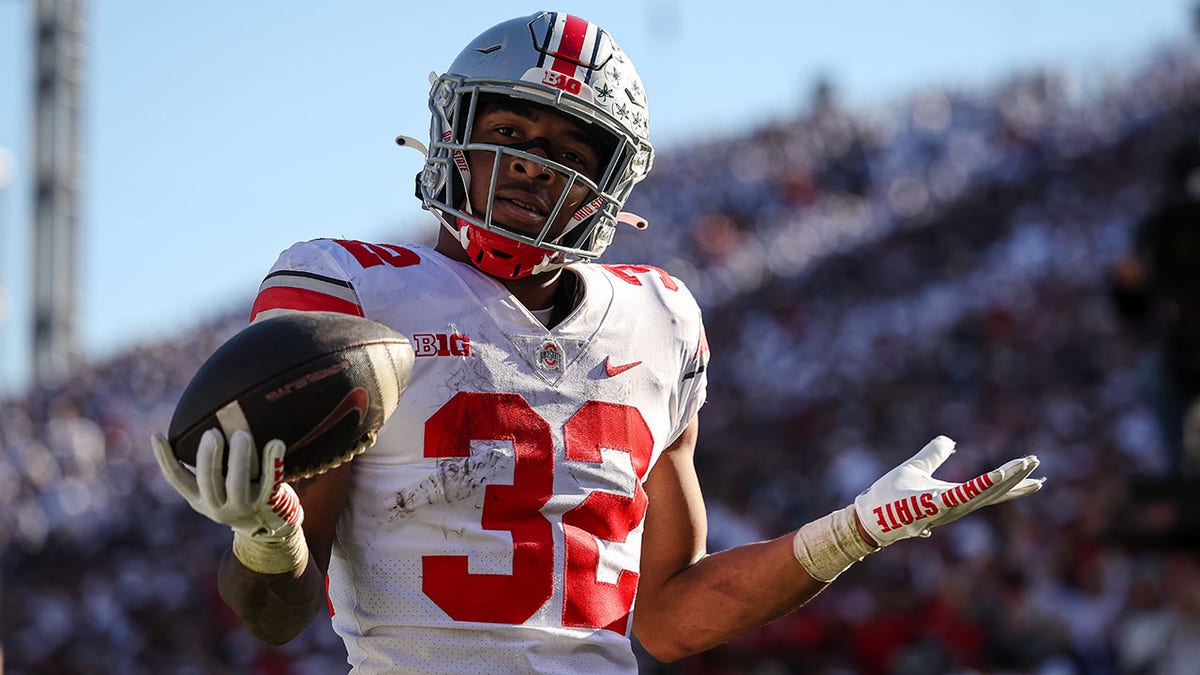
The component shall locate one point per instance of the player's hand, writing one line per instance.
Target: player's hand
(255, 504)
(908, 501)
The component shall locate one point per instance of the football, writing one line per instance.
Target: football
(322, 382)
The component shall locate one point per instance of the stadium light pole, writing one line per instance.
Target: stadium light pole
(58, 83)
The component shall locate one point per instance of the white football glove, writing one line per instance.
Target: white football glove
(908, 501)
(263, 511)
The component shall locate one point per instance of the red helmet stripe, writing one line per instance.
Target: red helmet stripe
(567, 44)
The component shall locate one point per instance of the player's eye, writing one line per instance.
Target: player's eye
(506, 131)
(580, 159)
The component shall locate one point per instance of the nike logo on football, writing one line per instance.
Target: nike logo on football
(614, 371)
(357, 401)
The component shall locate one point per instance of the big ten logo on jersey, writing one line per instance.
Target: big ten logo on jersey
(441, 344)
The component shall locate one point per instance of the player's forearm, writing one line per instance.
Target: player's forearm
(720, 597)
(273, 607)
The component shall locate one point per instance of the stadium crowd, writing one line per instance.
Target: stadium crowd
(870, 279)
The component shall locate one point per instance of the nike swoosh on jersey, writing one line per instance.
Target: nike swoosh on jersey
(614, 371)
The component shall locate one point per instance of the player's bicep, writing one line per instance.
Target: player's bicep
(323, 498)
(676, 525)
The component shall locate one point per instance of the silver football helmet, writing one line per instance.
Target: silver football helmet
(551, 59)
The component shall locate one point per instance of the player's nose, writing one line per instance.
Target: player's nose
(539, 146)
(531, 168)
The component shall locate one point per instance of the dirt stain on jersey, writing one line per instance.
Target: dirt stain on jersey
(453, 481)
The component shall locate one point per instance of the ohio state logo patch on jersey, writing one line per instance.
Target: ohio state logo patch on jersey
(550, 357)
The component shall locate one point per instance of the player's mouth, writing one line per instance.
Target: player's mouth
(523, 211)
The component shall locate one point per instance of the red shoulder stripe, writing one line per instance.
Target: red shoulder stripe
(290, 297)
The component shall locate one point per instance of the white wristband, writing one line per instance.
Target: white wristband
(271, 557)
(829, 545)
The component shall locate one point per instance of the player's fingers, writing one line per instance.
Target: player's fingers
(983, 490)
(210, 474)
(1018, 470)
(179, 477)
(1005, 479)
(273, 458)
(930, 457)
(1027, 486)
(272, 470)
(241, 448)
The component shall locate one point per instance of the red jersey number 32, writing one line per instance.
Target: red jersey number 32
(514, 598)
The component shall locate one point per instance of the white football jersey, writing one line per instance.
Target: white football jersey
(496, 524)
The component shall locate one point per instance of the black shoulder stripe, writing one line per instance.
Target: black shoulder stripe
(309, 275)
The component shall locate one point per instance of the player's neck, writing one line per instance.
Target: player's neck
(537, 291)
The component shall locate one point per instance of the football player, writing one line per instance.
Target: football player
(537, 480)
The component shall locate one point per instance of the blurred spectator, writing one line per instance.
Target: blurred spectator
(1158, 289)
(869, 279)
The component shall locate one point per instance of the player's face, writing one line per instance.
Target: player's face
(526, 191)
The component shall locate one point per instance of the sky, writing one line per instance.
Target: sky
(217, 133)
